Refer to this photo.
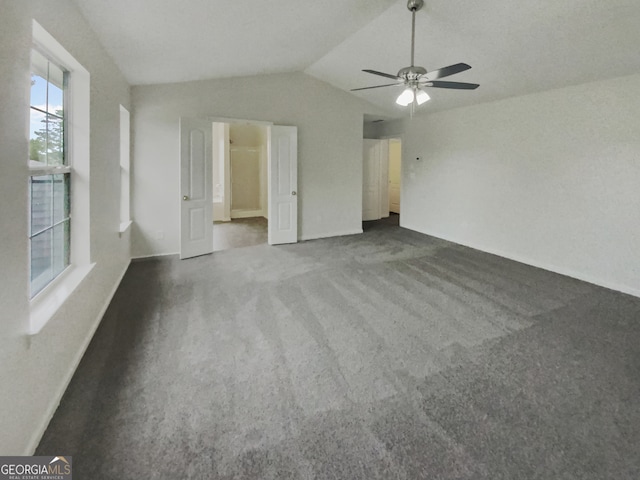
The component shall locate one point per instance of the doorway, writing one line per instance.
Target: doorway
(240, 185)
(267, 191)
(395, 174)
(381, 179)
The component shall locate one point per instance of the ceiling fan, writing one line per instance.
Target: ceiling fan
(415, 78)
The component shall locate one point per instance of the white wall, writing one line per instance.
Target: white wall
(34, 370)
(370, 130)
(248, 145)
(551, 179)
(330, 124)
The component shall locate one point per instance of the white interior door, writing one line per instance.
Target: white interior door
(196, 187)
(283, 185)
(395, 166)
(370, 180)
(383, 185)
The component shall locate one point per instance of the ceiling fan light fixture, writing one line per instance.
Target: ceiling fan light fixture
(414, 77)
(406, 97)
(422, 96)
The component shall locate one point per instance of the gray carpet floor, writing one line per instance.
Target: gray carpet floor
(386, 355)
(239, 232)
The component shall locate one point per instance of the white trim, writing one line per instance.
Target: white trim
(78, 98)
(47, 302)
(55, 399)
(145, 257)
(247, 213)
(125, 168)
(49, 170)
(240, 148)
(78, 128)
(398, 136)
(333, 234)
(534, 263)
(124, 226)
(239, 120)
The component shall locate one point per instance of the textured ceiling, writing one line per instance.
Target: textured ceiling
(514, 48)
(163, 41)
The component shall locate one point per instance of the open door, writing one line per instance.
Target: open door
(370, 181)
(196, 187)
(395, 168)
(375, 176)
(383, 150)
(283, 185)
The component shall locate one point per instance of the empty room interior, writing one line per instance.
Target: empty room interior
(341, 239)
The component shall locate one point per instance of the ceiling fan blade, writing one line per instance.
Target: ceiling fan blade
(382, 74)
(446, 71)
(454, 85)
(376, 86)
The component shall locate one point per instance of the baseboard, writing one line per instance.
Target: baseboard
(246, 213)
(53, 406)
(534, 263)
(145, 257)
(332, 234)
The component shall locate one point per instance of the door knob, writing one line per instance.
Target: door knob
(294, 193)
(186, 197)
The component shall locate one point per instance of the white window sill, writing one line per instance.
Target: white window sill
(46, 303)
(124, 226)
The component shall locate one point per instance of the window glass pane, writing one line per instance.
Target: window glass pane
(60, 250)
(37, 137)
(39, 91)
(41, 203)
(60, 197)
(55, 138)
(55, 102)
(41, 271)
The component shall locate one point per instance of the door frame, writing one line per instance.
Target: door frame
(230, 120)
(227, 166)
(400, 137)
(371, 166)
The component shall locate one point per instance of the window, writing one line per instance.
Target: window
(49, 179)
(59, 177)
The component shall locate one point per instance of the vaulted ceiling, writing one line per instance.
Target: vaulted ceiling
(515, 48)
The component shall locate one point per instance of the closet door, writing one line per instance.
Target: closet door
(384, 178)
(370, 181)
(395, 168)
(375, 173)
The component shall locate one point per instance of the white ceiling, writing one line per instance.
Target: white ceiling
(514, 48)
(162, 41)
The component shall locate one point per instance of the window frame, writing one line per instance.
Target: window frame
(49, 170)
(47, 302)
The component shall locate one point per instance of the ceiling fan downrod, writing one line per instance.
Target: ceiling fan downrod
(412, 72)
(414, 6)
